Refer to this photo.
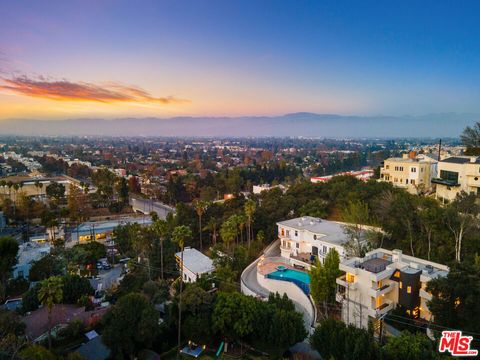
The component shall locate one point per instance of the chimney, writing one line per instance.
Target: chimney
(397, 255)
(473, 159)
(412, 155)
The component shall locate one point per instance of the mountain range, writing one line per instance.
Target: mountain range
(300, 124)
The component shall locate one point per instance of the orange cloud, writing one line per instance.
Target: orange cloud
(64, 90)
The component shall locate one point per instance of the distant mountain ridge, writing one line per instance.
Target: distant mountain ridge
(295, 124)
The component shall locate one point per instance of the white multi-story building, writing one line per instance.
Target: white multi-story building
(377, 283)
(457, 174)
(304, 239)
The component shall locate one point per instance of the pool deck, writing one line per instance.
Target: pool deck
(265, 265)
(268, 267)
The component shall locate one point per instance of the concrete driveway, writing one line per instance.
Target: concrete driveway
(107, 277)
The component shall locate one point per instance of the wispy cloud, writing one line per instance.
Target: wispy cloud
(64, 90)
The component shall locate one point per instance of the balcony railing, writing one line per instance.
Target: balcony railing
(384, 308)
(342, 280)
(285, 247)
(446, 182)
(378, 291)
(425, 294)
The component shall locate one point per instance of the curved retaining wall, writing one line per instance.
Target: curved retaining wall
(243, 284)
(302, 302)
(294, 293)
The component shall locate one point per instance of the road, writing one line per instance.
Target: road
(146, 206)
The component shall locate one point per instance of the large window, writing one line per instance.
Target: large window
(449, 175)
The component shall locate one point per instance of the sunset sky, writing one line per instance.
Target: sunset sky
(71, 59)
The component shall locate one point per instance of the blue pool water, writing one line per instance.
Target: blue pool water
(299, 278)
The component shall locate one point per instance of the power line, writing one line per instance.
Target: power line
(237, 285)
(430, 324)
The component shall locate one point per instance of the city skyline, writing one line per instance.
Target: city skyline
(169, 59)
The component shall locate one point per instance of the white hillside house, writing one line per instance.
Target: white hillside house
(304, 239)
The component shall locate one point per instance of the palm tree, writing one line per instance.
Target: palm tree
(241, 222)
(160, 228)
(200, 207)
(142, 246)
(229, 231)
(49, 294)
(250, 207)
(212, 225)
(180, 235)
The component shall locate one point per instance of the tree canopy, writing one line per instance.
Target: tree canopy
(130, 326)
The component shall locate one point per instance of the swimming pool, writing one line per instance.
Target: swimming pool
(299, 278)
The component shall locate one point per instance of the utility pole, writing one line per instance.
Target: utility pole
(439, 148)
(180, 306)
(348, 303)
(361, 312)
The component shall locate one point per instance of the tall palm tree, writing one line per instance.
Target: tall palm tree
(212, 226)
(142, 247)
(49, 294)
(250, 207)
(241, 221)
(229, 231)
(200, 207)
(160, 228)
(180, 235)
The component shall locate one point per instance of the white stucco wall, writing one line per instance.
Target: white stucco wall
(302, 302)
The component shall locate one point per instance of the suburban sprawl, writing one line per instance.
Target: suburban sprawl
(307, 248)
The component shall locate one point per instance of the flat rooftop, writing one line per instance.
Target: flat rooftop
(195, 261)
(109, 225)
(330, 231)
(375, 265)
(461, 160)
(32, 251)
(410, 160)
(377, 261)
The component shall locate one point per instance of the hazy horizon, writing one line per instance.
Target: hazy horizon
(301, 124)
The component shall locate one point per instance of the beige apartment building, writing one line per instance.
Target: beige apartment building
(377, 283)
(411, 172)
(457, 174)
